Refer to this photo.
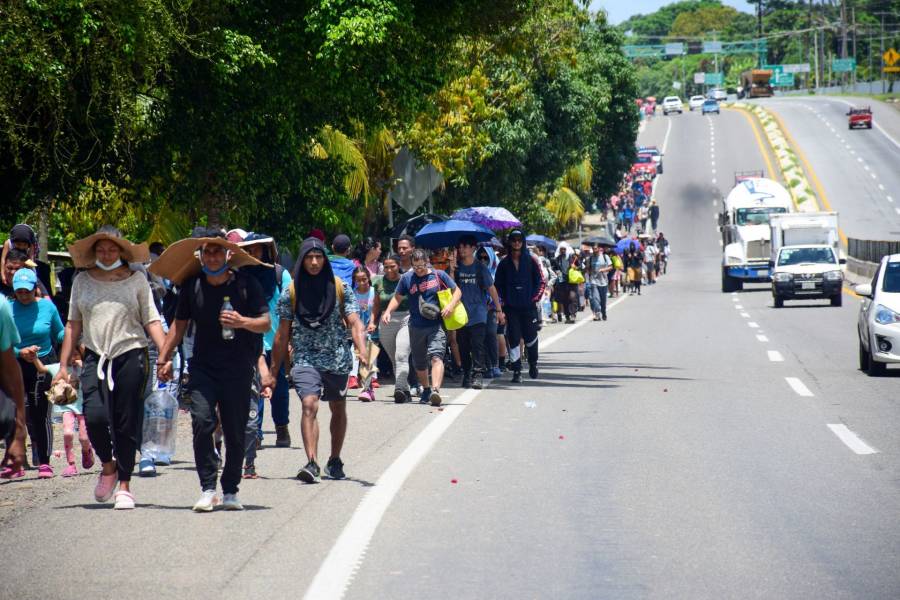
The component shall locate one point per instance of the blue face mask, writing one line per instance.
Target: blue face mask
(212, 273)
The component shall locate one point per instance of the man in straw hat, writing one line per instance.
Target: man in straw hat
(111, 312)
(227, 346)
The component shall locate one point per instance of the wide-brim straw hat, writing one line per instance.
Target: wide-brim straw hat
(181, 261)
(83, 256)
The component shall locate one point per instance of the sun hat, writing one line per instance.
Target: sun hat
(24, 279)
(180, 260)
(83, 256)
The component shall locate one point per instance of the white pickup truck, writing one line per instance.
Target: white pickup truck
(744, 224)
(805, 259)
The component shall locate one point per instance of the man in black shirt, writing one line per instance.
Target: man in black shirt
(221, 369)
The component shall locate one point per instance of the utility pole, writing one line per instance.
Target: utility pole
(816, 57)
(853, 16)
(759, 28)
(843, 40)
(809, 44)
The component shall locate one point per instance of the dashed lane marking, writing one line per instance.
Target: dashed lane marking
(746, 315)
(881, 186)
(739, 306)
(799, 387)
(775, 356)
(753, 325)
(890, 198)
(851, 440)
(762, 338)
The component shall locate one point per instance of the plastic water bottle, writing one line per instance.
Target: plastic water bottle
(227, 332)
(160, 412)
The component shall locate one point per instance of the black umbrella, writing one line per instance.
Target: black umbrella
(600, 240)
(413, 225)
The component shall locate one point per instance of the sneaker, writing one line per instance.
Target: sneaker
(309, 473)
(401, 397)
(533, 371)
(106, 487)
(517, 377)
(352, 382)
(124, 501)
(425, 397)
(282, 436)
(467, 381)
(366, 396)
(495, 373)
(250, 471)
(477, 382)
(207, 502)
(375, 384)
(231, 502)
(335, 468)
(146, 468)
(70, 471)
(45, 472)
(435, 398)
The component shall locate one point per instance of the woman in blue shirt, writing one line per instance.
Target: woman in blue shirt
(40, 327)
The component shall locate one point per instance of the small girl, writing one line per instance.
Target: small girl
(369, 308)
(71, 413)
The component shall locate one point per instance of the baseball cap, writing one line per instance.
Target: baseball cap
(515, 233)
(341, 243)
(24, 279)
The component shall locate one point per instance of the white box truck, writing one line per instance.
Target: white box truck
(806, 257)
(744, 224)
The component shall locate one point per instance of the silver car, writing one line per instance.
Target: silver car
(879, 318)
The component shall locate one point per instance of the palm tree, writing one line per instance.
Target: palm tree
(564, 203)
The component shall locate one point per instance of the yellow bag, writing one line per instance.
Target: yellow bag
(459, 317)
(575, 276)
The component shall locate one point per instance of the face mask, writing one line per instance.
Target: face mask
(111, 267)
(212, 273)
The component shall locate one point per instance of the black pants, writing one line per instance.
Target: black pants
(491, 358)
(7, 418)
(522, 324)
(229, 391)
(37, 409)
(471, 348)
(115, 418)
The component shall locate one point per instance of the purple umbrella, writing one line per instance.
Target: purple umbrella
(492, 217)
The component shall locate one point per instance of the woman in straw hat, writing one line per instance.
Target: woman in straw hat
(111, 312)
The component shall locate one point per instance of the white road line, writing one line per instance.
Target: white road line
(866, 167)
(890, 198)
(852, 151)
(734, 298)
(762, 338)
(666, 139)
(881, 186)
(713, 170)
(342, 562)
(775, 356)
(874, 176)
(897, 210)
(859, 158)
(739, 306)
(753, 325)
(746, 315)
(798, 386)
(851, 440)
(714, 180)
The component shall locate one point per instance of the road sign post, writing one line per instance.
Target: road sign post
(843, 65)
(891, 57)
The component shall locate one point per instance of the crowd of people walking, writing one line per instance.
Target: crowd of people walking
(230, 329)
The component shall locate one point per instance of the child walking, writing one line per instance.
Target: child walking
(72, 414)
(369, 308)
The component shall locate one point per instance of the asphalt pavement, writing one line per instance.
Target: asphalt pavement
(696, 445)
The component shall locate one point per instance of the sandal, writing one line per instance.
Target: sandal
(106, 487)
(124, 500)
(250, 472)
(8, 473)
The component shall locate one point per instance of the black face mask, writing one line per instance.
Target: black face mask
(316, 294)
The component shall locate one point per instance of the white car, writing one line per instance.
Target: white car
(672, 104)
(719, 95)
(695, 102)
(879, 318)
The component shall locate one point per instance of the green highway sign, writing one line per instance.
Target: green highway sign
(843, 65)
(713, 78)
(783, 79)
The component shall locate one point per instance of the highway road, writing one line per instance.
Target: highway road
(696, 445)
(859, 169)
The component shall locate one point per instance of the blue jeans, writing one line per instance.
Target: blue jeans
(597, 297)
(280, 399)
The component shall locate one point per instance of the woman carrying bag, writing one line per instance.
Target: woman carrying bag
(111, 312)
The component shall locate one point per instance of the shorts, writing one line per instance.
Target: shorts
(309, 381)
(426, 343)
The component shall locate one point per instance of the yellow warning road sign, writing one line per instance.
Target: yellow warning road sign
(891, 69)
(890, 57)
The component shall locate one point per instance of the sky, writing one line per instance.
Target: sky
(620, 10)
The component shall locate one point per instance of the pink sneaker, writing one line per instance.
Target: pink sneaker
(45, 472)
(8, 473)
(70, 471)
(87, 459)
(366, 396)
(106, 486)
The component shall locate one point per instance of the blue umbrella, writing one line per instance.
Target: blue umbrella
(542, 240)
(447, 233)
(624, 243)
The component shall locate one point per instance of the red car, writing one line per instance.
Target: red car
(859, 117)
(644, 165)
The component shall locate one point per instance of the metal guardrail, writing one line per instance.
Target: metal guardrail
(871, 250)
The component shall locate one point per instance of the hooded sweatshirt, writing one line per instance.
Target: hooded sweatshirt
(519, 288)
